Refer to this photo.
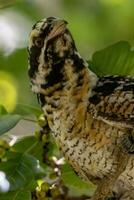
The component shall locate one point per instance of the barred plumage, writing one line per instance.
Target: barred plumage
(92, 118)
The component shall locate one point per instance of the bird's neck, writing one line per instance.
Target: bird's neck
(69, 75)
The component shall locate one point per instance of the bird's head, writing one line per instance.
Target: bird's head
(46, 30)
(50, 42)
(54, 63)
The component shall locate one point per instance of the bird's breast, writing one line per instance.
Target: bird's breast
(85, 142)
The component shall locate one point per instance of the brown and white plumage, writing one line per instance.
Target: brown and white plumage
(92, 118)
(113, 100)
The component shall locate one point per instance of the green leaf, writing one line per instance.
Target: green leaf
(117, 59)
(29, 145)
(73, 181)
(21, 170)
(17, 195)
(3, 111)
(25, 144)
(28, 110)
(7, 122)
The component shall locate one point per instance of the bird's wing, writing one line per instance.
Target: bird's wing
(112, 101)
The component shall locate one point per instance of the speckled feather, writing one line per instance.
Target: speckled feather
(113, 100)
(91, 118)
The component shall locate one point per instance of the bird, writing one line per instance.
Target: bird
(91, 118)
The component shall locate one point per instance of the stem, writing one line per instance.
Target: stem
(30, 120)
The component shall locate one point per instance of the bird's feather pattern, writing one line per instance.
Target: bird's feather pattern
(88, 115)
(112, 100)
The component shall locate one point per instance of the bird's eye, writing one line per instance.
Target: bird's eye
(39, 42)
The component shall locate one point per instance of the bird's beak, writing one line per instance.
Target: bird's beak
(58, 29)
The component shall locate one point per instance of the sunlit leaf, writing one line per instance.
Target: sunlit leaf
(8, 89)
(117, 59)
(7, 122)
(20, 170)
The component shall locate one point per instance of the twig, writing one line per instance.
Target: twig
(28, 119)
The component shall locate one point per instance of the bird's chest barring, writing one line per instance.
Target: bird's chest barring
(87, 154)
